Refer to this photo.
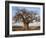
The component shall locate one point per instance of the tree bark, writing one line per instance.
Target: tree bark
(26, 26)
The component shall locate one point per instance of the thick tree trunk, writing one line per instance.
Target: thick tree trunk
(26, 26)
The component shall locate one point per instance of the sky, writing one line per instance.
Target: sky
(34, 9)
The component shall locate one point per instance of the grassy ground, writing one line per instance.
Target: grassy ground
(20, 28)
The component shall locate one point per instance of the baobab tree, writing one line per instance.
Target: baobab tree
(24, 17)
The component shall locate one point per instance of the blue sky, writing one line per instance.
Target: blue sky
(34, 9)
